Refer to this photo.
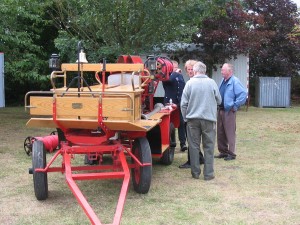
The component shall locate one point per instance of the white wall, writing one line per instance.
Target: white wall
(241, 70)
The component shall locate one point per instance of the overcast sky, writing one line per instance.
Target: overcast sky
(297, 2)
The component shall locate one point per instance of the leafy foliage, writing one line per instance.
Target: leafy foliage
(110, 28)
(259, 27)
(279, 56)
(25, 38)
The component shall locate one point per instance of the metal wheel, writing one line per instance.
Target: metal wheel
(28, 145)
(40, 180)
(53, 133)
(168, 155)
(141, 175)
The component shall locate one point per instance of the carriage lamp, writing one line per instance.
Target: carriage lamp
(151, 64)
(54, 62)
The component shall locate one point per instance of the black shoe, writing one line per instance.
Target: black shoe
(220, 156)
(186, 165)
(183, 148)
(201, 160)
(229, 157)
(209, 178)
(195, 176)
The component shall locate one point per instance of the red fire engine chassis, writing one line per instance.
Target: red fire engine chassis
(118, 170)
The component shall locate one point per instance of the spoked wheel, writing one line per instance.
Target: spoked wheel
(141, 175)
(53, 133)
(40, 180)
(168, 155)
(28, 145)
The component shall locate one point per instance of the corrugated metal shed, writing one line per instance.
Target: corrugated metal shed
(273, 92)
(2, 90)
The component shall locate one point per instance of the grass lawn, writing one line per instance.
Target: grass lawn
(262, 186)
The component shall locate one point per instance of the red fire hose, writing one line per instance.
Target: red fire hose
(50, 142)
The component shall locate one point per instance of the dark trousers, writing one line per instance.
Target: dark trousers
(181, 131)
(226, 135)
(198, 129)
(201, 157)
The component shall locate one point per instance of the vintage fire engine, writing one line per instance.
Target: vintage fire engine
(113, 116)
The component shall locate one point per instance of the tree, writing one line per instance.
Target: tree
(227, 31)
(261, 28)
(279, 55)
(113, 27)
(25, 38)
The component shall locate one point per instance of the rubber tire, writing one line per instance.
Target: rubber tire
(141, 176)
(168, 155)
(40, 180)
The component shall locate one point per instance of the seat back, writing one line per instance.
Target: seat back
(123, 79)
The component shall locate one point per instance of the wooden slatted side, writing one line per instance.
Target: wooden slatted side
(75, 106)
(114, 107)
(117, 108)
(137, 107)
(41, 105)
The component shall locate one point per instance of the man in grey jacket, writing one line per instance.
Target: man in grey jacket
(199, 103)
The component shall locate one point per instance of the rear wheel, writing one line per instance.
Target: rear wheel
(40, 179)
(141, 175)
(168, 155)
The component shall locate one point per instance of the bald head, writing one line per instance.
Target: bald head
(227, 70)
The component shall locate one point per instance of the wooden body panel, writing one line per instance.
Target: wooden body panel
(41, 105)
(117, 108)
(128, 67)
(75, 106)
(121, 109)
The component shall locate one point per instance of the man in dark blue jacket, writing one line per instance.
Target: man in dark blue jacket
(173, 90)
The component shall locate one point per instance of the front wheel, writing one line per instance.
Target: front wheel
(168, 155)
(40, 179)
(141, 175)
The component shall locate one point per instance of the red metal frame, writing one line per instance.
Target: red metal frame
(119, 170)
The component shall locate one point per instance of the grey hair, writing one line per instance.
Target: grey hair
(199, 67)
(229, 67)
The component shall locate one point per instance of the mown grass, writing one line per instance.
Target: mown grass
(260, 187)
